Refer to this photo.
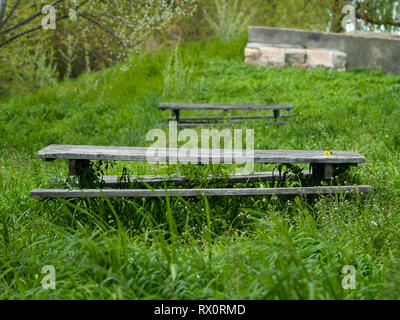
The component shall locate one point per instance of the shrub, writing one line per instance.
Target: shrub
(89, 35)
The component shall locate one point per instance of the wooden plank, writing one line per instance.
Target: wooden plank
(205, 124)
(131, 193)
(112, 181)
(197, 155)
(200, 106)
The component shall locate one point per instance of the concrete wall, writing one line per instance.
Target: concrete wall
(379, 52)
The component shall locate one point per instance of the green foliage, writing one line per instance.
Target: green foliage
(176, 75)
(226, 18)
(230, 19)
(89, 35)
(382, 12)
(28, 68)
(214, 248)
(102, 33)
(300, 14)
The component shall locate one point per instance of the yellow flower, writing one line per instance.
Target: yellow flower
(328, 153)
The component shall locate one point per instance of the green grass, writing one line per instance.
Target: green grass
(215, 248)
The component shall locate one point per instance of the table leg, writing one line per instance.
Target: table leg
(321, 172)
(277, 114)
(77, 166)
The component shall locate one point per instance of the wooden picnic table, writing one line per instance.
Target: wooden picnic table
(321, 163)
(196, 121)
(84, 152)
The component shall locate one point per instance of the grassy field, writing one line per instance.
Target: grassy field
(232, 248)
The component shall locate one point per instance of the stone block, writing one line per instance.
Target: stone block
(319, 58)
(339, 60)
(294, 56)
(283, 55)
(379, 51)
(251, 53)
(273, 56)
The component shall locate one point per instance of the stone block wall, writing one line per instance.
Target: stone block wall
(282, 47)
(289, 56)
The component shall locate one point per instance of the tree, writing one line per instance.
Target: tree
(124, 21)
(3, 4)
(337, 16)
(379, 14)
(89, 35)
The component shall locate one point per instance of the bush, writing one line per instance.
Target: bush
(88, 36)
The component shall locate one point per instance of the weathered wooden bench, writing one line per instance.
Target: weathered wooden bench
(154, 180)
(321, 165)
(211, 120)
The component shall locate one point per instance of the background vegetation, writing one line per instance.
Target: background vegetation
(239, 248)
(93, 34)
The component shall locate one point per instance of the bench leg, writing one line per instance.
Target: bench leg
(176, 115)
(277, 114)
(76, 166)
(85, 173)
(321, 172)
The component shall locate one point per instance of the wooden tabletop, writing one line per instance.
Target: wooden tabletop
(199, 106)
(82, 152)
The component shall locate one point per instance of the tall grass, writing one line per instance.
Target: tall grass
(176, 75)
(202, 248)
